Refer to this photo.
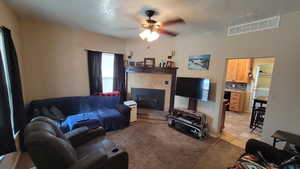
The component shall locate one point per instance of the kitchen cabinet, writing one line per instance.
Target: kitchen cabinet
(231, 70)
(238, 70)
(237, 100)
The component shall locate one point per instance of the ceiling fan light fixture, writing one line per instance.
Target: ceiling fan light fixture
(145, 34)
(152, 36)
(149, 35)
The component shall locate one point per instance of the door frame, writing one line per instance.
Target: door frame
(254, 84)
(221, 115)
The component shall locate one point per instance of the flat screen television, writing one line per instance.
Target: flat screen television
(197, 88)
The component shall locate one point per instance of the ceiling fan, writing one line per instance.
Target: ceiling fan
(152, 28)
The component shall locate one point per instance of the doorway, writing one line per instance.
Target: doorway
(246, 91)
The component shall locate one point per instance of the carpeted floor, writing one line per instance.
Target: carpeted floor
(153, 145)
(151, 114)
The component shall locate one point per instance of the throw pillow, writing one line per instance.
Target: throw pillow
(57, 113)
(36, 112)
(46, 112)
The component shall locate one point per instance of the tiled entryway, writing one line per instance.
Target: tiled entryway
(237, 129)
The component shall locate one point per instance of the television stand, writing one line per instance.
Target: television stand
(189, 122)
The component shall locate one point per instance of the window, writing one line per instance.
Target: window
(4, 60)
(107, 71)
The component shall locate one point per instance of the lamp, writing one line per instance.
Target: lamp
(149, 35)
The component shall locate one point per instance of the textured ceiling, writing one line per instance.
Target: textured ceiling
(119, 17)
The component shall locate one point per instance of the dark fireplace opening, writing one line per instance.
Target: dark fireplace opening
(149, 98)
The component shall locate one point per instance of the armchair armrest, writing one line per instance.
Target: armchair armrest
(83, 134)
(125, 111)
(94, 160)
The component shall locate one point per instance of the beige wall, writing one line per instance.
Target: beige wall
(282, 112)
(158, 49)
(10, 20)
(280, 43)
(56, 61)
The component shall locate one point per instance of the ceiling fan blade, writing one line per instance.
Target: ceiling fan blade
(173, 22)
(163, 31)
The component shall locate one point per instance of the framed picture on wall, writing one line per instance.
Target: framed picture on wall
(199, 62)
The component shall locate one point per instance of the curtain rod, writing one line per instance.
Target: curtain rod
(111, 52)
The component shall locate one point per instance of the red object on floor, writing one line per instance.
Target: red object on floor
(113, 93)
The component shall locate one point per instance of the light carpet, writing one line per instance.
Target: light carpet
(153, 145)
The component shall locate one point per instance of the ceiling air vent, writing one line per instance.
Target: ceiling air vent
(259, 25)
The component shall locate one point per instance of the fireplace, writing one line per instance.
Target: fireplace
(149, 98)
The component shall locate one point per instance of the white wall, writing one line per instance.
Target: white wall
(56, 60)
(282, 43)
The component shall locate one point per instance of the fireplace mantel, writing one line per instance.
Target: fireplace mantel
(162, 70)
(156, 70)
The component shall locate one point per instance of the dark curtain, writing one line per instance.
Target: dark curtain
(15, 81)
(7, 142)
(119, 76)
(95, 73)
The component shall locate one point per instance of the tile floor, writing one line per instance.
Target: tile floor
(237, 129)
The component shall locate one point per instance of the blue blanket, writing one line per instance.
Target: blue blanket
(90, 120)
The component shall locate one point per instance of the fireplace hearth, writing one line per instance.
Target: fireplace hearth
(149, 98)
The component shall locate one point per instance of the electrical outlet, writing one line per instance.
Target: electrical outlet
(166, 83)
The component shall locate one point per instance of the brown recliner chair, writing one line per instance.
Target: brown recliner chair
(81, 148)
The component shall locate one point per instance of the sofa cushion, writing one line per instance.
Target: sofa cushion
(70, 105)
(57, 113)
(36, 112)
(45, 112)
(111, 119)
(99, 102)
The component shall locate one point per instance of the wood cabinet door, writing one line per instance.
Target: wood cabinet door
(237, 100)
(242, 71)
(231, 70)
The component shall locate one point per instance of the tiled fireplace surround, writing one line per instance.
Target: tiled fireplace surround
(151, 81)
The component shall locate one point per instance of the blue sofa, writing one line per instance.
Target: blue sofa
(105, 110)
